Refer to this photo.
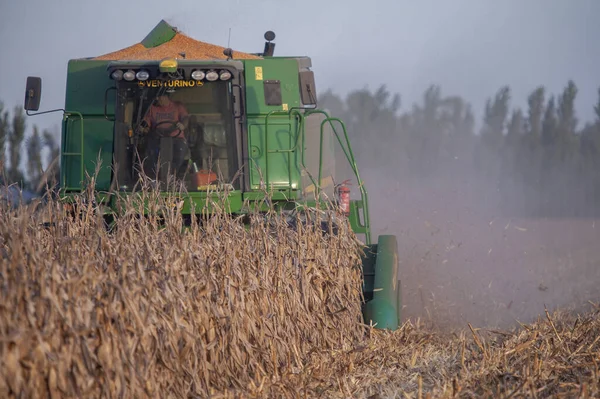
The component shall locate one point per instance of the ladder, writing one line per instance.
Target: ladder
(65, 154)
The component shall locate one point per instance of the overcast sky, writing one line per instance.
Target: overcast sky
(469, 47)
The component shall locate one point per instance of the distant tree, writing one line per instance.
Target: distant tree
(515, 136)
(590, 160)
(536, 110)
(425, 133)
(371, 120)
(549, 124)
(34, 158)
(49, 141)
(456, 123)
(538, 153)
(496, 112)
(492, 133)
(512, 155)
(515, 129)
(53, 167)
(366, 108)
(4, 132)
(529, 153)
(590, 141)
(560, 186)
(597, 109)
(15, 138)
(332, 103)
(567, 122)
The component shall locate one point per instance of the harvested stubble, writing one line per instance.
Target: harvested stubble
(150, 312)
(557, 356)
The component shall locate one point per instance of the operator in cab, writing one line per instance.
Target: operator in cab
(166, 118)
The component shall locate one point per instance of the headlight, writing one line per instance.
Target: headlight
(225, 75)
(117, 75)
(198, 75)
(142, 75)
(212, 76)
(129, 75)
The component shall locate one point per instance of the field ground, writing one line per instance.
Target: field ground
(462, 261)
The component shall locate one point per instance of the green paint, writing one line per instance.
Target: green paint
(383, 284)
(283, 70)
(273, 155)
(274, 196)
(87, 81)
(97, 146)
(162, 33)
(199, 202)
(358, 225)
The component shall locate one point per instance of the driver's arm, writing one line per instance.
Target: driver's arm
(183, 117)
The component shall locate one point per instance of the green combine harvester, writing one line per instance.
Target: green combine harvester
(250, 123)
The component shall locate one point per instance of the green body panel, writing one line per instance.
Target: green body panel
(87, 82)
(381, 284)
(192, 201)
(284, 70)
(272, 138)
(162, 33)
(358, 225)
(97, 142)
(274, 196)
(274, 159)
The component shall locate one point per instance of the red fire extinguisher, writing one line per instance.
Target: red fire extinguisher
(344, 197)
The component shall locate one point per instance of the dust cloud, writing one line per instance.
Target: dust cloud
(463, 260)
(490, 237)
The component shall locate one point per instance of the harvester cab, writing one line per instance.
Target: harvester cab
(170, 122)
(213, 117)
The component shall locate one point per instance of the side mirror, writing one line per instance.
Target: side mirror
(33, 93)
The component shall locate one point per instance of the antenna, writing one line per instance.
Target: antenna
(228, 52)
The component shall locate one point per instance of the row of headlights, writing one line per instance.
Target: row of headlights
(130, 75)
(211, 75)
(197, 74)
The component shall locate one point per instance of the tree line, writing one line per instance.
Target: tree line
(14, 143)
(539, 161)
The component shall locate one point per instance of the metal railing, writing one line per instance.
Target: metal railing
(294, 146)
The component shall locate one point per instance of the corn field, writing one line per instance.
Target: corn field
(147, 309)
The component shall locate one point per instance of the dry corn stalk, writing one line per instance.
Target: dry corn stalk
(145, 310)
(221, 311)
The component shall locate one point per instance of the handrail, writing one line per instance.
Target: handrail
(106, 103)
(346, 148)
(350, 157)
